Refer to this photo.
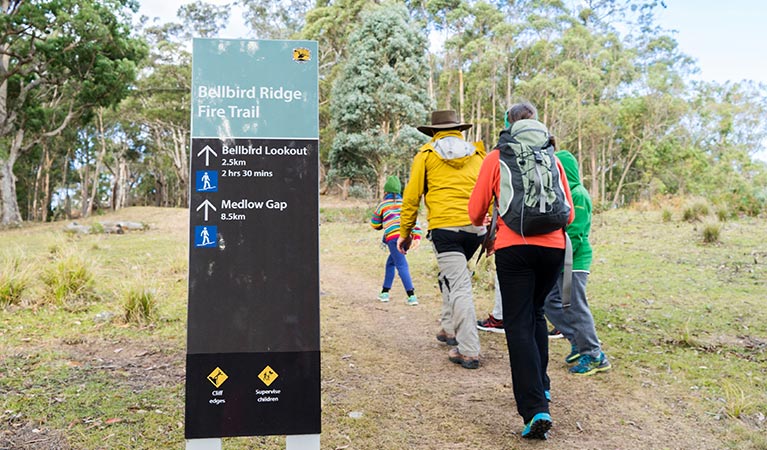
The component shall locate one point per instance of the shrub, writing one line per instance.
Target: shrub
(68, 281)
(722, 214)
(711, 233)
(140, 306)
(667, 215)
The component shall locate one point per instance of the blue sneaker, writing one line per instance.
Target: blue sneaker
(538, 428)
(383, 296)
(574, 355)
(412, 300)
(588, 365)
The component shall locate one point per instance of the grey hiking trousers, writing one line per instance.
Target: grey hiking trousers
(576, 322)
(453, 250)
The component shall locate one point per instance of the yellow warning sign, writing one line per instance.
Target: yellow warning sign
(217, 377)
(268, 375)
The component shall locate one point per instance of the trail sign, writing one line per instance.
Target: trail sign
(253, 350)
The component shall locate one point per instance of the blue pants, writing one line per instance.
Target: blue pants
(397, 260)
(526, 274)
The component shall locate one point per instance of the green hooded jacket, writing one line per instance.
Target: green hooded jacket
(581, 226)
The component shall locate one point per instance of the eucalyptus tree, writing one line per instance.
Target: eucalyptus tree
(330, 24)
(275, 19)
(380, 93)
(156, 115)
(59, 60)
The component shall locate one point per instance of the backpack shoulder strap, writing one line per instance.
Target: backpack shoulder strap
(567, 276)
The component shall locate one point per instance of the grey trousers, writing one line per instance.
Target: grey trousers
(458, 315)
(576, 322)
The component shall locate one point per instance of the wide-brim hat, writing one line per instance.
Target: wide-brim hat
(445, 119)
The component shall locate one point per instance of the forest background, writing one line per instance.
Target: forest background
(95, 99)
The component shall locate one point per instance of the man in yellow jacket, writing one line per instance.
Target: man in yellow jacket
(444, 173)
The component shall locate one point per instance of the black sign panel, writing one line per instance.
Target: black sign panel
(253, 354)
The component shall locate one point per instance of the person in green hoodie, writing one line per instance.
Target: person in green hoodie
(576, 322)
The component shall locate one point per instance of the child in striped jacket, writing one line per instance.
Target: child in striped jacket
(386, 218)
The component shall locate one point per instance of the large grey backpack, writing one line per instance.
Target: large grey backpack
(532, 198)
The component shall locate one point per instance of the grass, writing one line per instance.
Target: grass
(676, 316)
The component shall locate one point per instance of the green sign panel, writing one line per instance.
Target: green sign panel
(253, 343)
(247, 88)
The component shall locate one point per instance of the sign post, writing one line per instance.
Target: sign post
(253, 350)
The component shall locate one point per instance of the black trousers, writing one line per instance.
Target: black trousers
(526, 274)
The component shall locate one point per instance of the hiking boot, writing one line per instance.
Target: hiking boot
(555, 334)
(574, 355)
(412, 300)
(538, 427)
(443, 337)
(383, 296)
(491, 324)
(588, 365)
(466, 362)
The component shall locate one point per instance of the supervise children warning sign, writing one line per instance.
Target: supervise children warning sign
(253, 350)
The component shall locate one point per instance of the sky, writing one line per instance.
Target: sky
(728, 39)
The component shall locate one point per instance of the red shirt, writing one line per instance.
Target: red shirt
(487, 188)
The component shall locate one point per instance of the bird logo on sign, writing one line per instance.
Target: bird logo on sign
(302, 54)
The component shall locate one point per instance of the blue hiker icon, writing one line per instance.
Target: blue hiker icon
(206, 181)
(205, 236)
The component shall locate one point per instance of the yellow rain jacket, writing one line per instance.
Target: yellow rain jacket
(444, 172)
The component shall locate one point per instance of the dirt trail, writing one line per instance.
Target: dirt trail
(382, 360)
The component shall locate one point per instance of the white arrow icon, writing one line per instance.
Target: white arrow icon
(207, 150)
(207, 205)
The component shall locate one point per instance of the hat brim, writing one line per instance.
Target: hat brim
(429, 130)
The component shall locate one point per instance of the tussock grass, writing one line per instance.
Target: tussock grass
(695, 212)
(14, 282)
(711, 232)
(140, 305)
(68, 281)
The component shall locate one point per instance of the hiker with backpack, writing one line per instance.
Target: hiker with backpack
(576, 322)
(386, 218)
(526, 185)
(444, 172)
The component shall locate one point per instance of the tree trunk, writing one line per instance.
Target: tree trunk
(32, 211)
(345, 188)
(99, 161)
(65, 183)
(46, 187)
(9, 208)
(460, 90)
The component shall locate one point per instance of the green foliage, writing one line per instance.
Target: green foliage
(381, 90)
(70, 57)
(667, 215)
(140, 305)
(68, 281)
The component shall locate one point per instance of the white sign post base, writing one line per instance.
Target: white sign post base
(303, 442)
(204, 444)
